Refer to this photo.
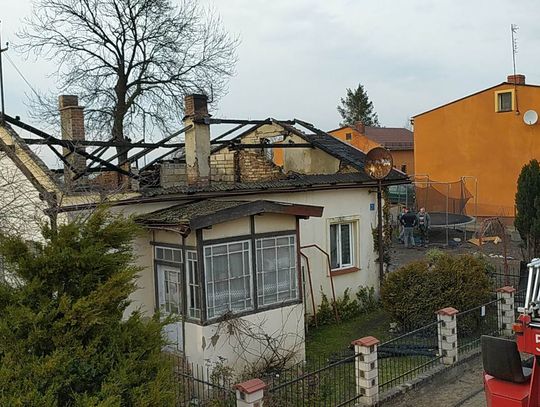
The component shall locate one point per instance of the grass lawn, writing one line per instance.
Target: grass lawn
(325, 340)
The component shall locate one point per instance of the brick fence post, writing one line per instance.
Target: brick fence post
(250, 393)
(505, 310)
(447, 332)
(366, 370)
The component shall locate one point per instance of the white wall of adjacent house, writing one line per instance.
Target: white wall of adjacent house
(21, 209)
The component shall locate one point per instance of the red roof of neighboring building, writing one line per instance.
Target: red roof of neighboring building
(392, 138)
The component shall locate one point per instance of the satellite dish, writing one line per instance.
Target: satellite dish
(530, 117)
(378, 163)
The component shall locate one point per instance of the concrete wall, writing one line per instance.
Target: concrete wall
(308, 160)
(205, 345)
(469, 138)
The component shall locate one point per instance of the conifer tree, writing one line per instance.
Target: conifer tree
(527, 219)
(63, 338)
(356, 107)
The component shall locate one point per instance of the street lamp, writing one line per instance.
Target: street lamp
(377, 166)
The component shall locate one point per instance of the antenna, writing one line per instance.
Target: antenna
(513, 30)
(2, 111)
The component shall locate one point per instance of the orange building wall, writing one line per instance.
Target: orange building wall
(357, 139)
(403, 157)
(469, 138)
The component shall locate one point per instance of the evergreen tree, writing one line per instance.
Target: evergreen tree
(63, 339)
(356, 107)
(527, 219)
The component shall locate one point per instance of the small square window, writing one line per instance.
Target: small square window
(404, 168)
(348, 136)
(504, 101)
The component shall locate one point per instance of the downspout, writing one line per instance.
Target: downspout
(184, 292)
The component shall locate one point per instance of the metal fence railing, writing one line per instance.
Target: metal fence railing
(202, 385)
(317, 382)
(475, 322)
(403, 358)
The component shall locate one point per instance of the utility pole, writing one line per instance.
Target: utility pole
(2, 50)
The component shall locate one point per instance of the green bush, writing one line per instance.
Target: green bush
(413, 293)
(346, 306)
(63, 339)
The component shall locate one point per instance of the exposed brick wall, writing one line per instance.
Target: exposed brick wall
(255, 166)
(172, 174)
(222, 166)
(114, 181)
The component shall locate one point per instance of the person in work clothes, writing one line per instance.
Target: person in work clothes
(409, 221)
(423, 226)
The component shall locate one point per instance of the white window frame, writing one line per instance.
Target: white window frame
(292, 287)
(353, 224)
(247, 275)
(176, 265)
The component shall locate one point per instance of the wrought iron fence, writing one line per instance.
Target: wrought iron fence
(405, 357)
(202, 386)
(317, 383)
(475, 322)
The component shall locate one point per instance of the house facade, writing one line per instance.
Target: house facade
(484, 138)
(236, 247)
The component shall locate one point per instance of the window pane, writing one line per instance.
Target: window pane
(505, 101)
(334, 261)
(159, 253)
(177, 256)
(167, 254)
(276, 263)
(345, 244)
(228, 278)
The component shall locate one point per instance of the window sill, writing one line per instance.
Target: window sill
(504, 111)
(348, 270)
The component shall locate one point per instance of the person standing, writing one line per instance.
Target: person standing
(409, 221)
(401, 229)
(423, 226)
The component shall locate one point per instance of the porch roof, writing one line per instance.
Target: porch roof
(201, 214)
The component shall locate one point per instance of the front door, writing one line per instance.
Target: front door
(170, 302)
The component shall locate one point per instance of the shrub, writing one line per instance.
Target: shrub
(413, 293)
(346, 306)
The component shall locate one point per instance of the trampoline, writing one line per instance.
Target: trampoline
(454, 220)
(449, 204)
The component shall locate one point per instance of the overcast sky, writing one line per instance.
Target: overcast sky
(297, 57)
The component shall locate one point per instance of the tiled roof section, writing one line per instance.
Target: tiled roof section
(204, 213)
(182, 214)
(392, 138)
(293, 181)
(341, 150)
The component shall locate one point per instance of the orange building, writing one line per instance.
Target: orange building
(488, 135)
(399, 141)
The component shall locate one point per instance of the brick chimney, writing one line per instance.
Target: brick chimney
(360, 127)
(72, 123)
(517, 79)
(197, 138)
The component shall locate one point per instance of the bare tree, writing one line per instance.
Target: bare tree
(129, 60)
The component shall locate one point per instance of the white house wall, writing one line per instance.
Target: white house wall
(208, 345)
